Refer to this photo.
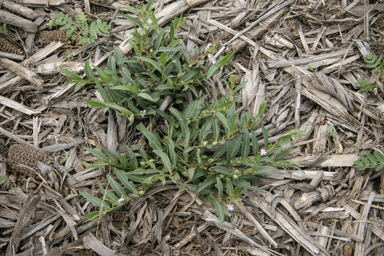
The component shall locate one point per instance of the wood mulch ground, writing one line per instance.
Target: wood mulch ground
(302, 57)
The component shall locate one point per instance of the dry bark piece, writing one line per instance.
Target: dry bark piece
(321, 194)
(19, 155)
(14, 20)
(47, 36)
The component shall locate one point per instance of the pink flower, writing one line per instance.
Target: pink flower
(143, 112)
(263, 152)
(230, 207)
(121, 200)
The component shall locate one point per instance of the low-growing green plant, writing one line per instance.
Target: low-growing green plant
(79, 30)
(208, 148)
(377, 65)
(330, 131)
(371, 161)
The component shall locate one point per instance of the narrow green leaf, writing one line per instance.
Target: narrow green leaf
(70, 74)
(206, 183)
(222, 149)
(91, 216)
(365, 160)
(143, 153)
(146, 96)
(96, 201)
(381, 166)
(212, 71)
(108, 194)
(124, 180)
(220, 210)
(116, 186)
(206, 129)
(246, 147)
(153, 141)
(131, 19)
(2, 179)
(219, 186)
(224, 121)
(234, 148)
(372, 158)
(379, 156)
(148, 60)
(98, 154)
(130, 9)
(255, 143)
(265, 135)
(88, 71)
(165, 159)
(222, 169)
(282, 155)
(229, 187)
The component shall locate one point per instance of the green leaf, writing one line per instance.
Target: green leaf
(2, 179)
(282, 155)
(222, 169)
(88, 71)
(98, 154)
(116, 187)
(212, 71)
(154, 63)
(262, 108)
(206, 129)
(219, 186)
(131, 19)
(70, 74)
(206, 183)
(147, 97)
(96, 201)
(379, 156)
(234, 148)
(246, 147)
(97, 164)
(165, 159)
(222, 149)
(108, 194)
(124, 180)
(91, 216)
(255, 144)
(229, 188)
(381, 166)
(224, 60)
(220, 210)
(224, 121)
(265, 135)
(79, 85)
(153, 141)
(372, 159)
(365, 160)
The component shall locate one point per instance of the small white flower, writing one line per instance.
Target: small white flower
(230, 207)
(263, 152)
(121, 200)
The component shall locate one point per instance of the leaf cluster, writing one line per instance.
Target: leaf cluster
(204, 147)
(79, 29)
(330, 131)
(208, 148)
(371, 161)
(161, 66)
(377, 65)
